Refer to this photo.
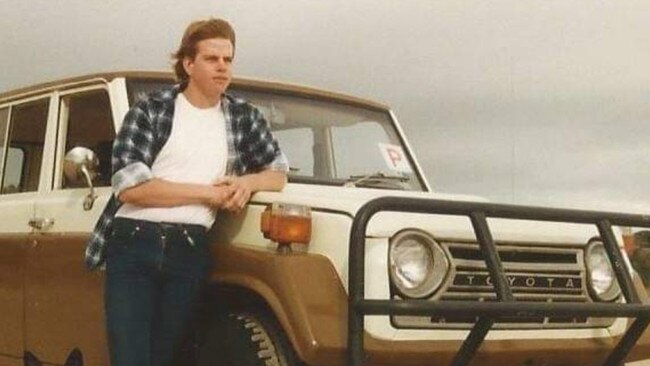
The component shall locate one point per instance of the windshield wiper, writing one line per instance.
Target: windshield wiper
(378, 180)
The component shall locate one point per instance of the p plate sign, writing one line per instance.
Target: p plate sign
(395, 158)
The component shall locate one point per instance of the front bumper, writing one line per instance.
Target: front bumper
(538, 352)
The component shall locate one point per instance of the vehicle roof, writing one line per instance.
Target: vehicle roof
(240, 83)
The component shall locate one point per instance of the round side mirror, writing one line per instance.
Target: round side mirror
(75, 161)
(80, 166)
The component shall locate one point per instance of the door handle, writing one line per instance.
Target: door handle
(40, 223)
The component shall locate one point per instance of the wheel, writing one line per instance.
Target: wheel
(246, 339)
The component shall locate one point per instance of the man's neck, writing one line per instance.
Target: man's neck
(199, 99)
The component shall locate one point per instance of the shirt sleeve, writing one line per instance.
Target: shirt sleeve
(132, 150)
(261, 149)
(280, 163)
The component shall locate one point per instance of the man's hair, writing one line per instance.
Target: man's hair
(196, 32)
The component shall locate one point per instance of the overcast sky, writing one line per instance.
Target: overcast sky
(537, 102)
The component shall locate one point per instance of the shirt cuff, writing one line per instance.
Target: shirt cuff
(130, 176)
(280, 163)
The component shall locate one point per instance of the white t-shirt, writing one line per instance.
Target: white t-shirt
(196, 152)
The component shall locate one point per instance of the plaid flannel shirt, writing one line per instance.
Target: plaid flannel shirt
(147, 127)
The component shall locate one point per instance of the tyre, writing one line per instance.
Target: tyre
(246, 339)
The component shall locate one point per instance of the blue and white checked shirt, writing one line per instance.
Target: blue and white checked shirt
(147, 127)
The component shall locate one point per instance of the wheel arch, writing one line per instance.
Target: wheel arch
(302, 291)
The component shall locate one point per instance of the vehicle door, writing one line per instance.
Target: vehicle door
(64, 301)
(22, 136)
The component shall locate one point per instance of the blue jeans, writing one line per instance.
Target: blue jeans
(154, 276)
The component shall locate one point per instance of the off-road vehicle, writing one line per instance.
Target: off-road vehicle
(357, 261)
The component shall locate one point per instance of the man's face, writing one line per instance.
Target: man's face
(211, 69)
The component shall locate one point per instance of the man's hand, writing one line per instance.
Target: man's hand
(219, 196)
(240, 192)
(244, 186)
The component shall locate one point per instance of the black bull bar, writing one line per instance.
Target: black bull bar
(505, 305)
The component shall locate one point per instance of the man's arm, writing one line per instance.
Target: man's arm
(161, 193)
(265, 165)
(266, 180)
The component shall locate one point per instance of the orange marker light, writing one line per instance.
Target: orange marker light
(286, 224)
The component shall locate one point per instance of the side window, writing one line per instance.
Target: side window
(25, 148)
(89, 122)
(15, 162)
(298, 145)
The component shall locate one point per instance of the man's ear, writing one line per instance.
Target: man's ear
(188, 64)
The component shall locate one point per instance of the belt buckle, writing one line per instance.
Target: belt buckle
(165, 225)
(169, 228)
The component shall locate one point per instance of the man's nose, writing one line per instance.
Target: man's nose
(222, 64)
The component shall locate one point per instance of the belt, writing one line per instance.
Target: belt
(163, 228)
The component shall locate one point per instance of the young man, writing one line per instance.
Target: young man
(180, 155)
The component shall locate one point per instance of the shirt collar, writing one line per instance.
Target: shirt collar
(170, 94)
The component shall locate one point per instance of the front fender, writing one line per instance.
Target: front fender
(303, 290)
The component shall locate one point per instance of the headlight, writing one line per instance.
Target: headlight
(601, 276)
(418, 265)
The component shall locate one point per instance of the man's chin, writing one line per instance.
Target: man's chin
(216, 91)
(221, 88)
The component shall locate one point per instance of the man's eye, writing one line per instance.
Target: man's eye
(227, 60)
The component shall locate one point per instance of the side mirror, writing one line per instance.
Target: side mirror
(81, 165)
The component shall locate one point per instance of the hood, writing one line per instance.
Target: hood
(443, 227)
(347, 199)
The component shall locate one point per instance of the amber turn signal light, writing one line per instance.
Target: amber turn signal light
(286, 223)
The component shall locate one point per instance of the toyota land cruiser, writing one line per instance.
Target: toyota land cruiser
(356, 262)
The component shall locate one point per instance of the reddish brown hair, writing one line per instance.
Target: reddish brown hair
(197, 32)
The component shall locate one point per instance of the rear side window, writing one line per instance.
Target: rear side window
(26, 137)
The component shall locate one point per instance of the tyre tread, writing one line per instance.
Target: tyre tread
(266, 338)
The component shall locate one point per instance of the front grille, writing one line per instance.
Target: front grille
(535, 274)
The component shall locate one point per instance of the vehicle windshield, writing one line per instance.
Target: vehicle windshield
(328, 142)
